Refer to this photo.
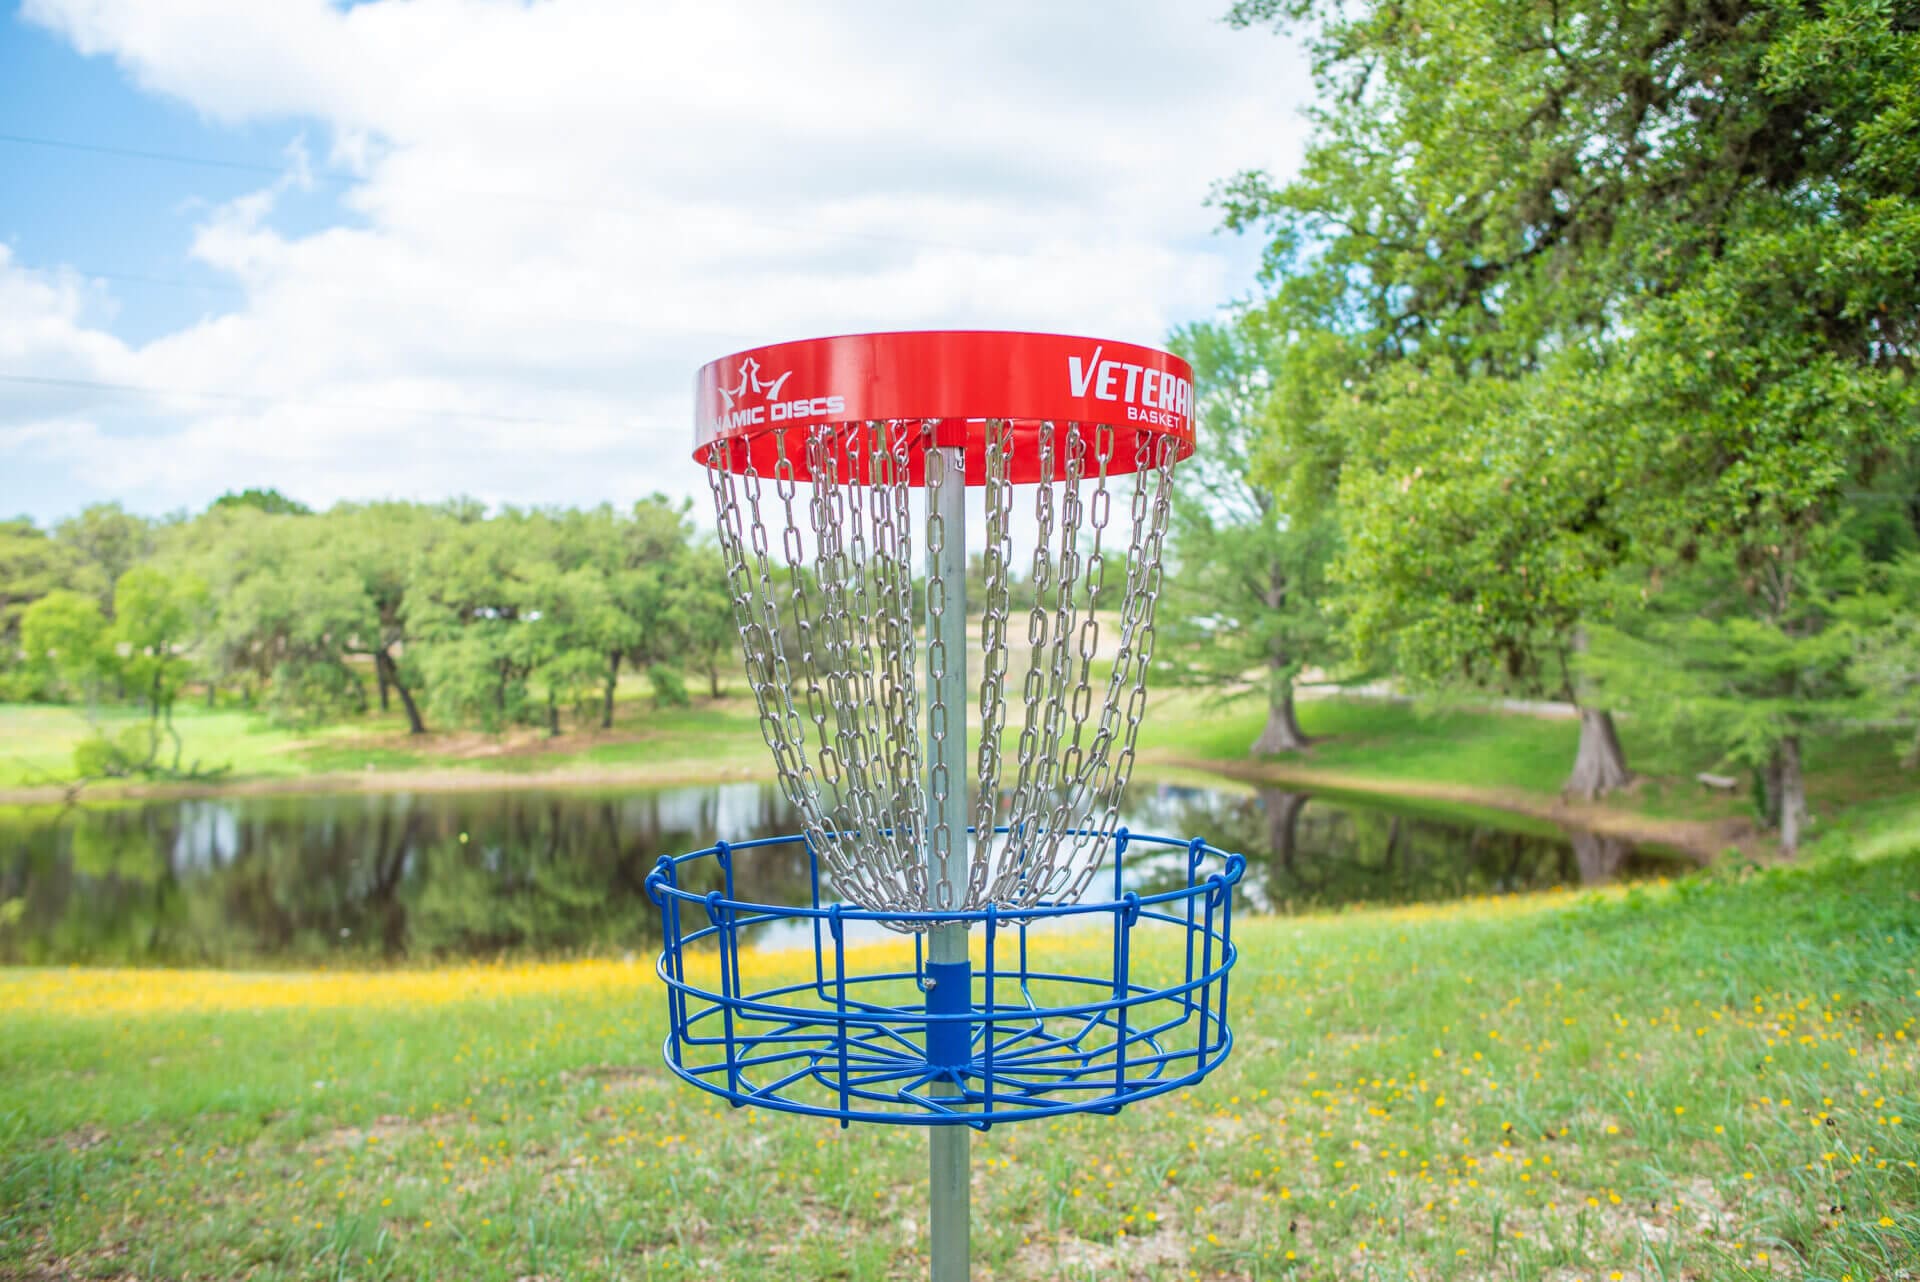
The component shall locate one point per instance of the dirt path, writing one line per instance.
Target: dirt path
(1703, 839)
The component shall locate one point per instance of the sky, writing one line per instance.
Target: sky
(433, 248)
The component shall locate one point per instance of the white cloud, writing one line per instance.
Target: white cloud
(561, 209)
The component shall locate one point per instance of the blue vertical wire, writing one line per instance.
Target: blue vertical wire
(840, 1002)
(813, 887)
(1206, 990)
(1123, 985)
(986, 1085)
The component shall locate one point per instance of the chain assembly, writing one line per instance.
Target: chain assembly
(831, 650)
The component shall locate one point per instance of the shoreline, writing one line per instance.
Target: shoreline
(1703, 840)
(443, 779)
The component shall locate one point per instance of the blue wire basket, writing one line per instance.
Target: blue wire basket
(1072, 1008)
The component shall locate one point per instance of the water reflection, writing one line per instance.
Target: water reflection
(1308, 852)
(296, 880)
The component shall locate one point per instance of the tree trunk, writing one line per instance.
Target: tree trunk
(380, 673)
(390, 671)
(1282, 733)
(1599, 857)
(1791, 797)
(1283, 822)
(713, 687)
(553, 714)
(1599, 765)
(178, 746)
(613, 679)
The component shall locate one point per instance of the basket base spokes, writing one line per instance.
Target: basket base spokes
(1019, 1064)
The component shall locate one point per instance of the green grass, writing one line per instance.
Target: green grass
(37, 741)
(1382, 738)
(1852, 775)
(1699, 1080)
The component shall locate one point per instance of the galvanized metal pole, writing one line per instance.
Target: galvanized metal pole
(948, 1183)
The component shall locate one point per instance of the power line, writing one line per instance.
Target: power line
(133, 278)
(138, 153)
(746, 213)
(90, 385)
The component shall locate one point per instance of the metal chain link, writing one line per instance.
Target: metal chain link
(995, 592)
(941, 838)
(831, 653)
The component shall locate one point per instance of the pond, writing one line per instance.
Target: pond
(366, 877)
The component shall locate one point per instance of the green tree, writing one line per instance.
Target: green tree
(377, 542)
(270, 501)
(642, 556)
(1697, 665)
(465, 603)
(572, 625)
(1887, 648)
(1686, 233)
(1483, 534)
(653, 588)
(32, 564)
(288, 609)
(702, 612)
(1249, 590)
(64, 634)
(108, 539)
(157, 617)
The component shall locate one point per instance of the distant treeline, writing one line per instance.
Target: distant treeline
(455, 615)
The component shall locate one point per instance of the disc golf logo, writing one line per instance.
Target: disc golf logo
(1158, 397)
(754, 400)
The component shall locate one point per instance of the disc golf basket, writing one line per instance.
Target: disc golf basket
(1022, 995)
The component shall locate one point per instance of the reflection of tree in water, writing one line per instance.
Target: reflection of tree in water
(1316, 852)
(445, 875)
(373, 876)
(1600, 857)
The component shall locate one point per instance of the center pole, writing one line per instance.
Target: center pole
(948, 1183)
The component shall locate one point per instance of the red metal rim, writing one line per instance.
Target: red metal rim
(1131, 403)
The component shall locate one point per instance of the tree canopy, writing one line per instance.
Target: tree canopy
(518, 617)
(1586, 301)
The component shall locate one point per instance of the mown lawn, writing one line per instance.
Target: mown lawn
(1388, 741)
(37, 743)
(1711, 1079)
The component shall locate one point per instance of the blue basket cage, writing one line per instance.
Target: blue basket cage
(1036, 1031)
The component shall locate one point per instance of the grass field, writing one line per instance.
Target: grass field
(1477, 748)
(37, 742)
(1713, 1079)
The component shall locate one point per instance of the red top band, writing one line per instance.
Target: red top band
(948, 383)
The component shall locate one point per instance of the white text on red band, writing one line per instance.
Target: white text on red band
(1138, 385)
(783, 411)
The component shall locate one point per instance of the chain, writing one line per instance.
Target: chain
(845, 760)
(940, 783)
(831, 651)
(993, 651)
